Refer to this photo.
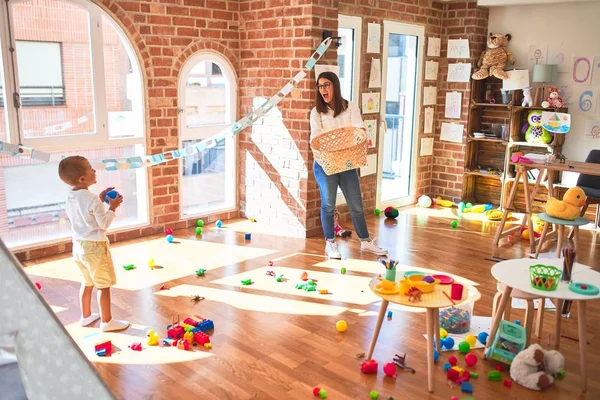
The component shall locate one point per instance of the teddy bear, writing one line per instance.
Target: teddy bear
(553, 100)
(527, 100)
(492, 61)
(534, 131)
(536, 368)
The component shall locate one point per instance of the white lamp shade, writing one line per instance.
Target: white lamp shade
(545, 73)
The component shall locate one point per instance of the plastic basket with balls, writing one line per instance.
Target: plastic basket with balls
(544, 277)
(340, 149)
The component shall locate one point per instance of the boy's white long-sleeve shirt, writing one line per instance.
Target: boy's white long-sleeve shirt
(321, 123)
(88, 215)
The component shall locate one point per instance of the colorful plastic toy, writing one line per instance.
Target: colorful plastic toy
(448, 343)
(136, 346)
(151, 264)
(200, 272)
(128, 267)
(199, 231)
(341, 325)
(112, 194)
(454, 224)
(494, 376)
(247, 236)
(471, 339)
(473, 375)
(447, 366)
(170, 238)
(38, 286)
(168, 231)
(400, 361)
(443, 333)
(507, 383)
(389, 315)
(373, 394)
(219, 223)
(200, 223)
(343, 270)
(389, 369)
(453, 360)
(509, 341)
(247, 282)
(104, 348)
(483, 337)
(391, 212)
(471, 359)
(464, 347)
(369, 367)
(152, 338)
(466, 387)
(436, 355)
(377, 211)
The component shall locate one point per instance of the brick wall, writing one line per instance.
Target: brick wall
(461, 19)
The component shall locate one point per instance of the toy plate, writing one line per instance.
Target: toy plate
(444, 279)
(383, 291)
(411, 273)
(584, 288)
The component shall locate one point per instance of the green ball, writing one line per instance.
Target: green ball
(343, 270)
(200, 223)
(468, 205)
(373, 394)
(377, 211)
(322, 394)
(198, 231)
(454, 224)
(464, 347)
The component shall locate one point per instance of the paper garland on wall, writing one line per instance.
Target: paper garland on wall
(431, 70)
(373, 38)
(375, 75)
(428, 128)
(115, 164)
(453, 105)
(371, 127)
(452, 132)
(429, 96)
(370, 103)
(459, 72)
(458, 48)
(592, 129)
(426, 147)
(434, 45)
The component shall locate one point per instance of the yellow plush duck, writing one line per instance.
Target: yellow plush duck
(569, 207)
(152, 338)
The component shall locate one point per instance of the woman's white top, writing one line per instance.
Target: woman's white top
(325, 122)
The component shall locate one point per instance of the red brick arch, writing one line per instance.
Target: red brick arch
(200, 45)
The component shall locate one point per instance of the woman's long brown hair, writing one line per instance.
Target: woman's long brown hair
(339, 103)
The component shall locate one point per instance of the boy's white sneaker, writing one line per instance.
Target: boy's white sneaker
(331, 250)
(114, 325)
(370, 246)
(89, 320)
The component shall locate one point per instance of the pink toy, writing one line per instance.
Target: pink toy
(136, 346)
(390, 370)
(553, 100)
(471, 359)
(168, 231)
(369, 367)
(507, 383)
(452, 375)
(516, 158)
(466, 375)
(453, 361)
(453, 398)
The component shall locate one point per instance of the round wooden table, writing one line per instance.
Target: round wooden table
(515, 275)
(432, 302)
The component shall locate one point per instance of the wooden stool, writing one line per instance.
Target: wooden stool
(529, 309)
(560, 223)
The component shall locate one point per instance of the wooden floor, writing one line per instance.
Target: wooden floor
(270, 345)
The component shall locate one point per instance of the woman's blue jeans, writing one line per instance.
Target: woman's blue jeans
(349, 182)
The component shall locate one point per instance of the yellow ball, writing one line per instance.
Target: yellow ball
(341, 326)
(471, 339)
(443, 333)
(525, 234)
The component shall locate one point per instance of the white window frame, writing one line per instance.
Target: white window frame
(351, 22)
(99, 139)
(231, 99)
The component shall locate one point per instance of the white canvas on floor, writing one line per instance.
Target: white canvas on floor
(520, 304)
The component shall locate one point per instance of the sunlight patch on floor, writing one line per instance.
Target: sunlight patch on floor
(345, 288)
(86, 338)
(176, 259)
(254, 302)
(57, 309)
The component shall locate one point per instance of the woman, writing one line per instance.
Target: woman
(332, 112)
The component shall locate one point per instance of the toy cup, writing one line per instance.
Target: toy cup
(390, 274)
(456, 291)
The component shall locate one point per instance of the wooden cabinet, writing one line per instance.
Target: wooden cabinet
(488, 173)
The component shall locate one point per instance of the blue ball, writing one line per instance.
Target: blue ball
(517, 322)
(170, 238)
(483, 337)
(436, 355)
(112, 194)
(448, 343)
(219, 223)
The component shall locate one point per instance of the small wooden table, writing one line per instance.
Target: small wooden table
(430, 301)
(549, 170)
(515, 275)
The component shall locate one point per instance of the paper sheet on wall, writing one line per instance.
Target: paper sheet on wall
(453, 105)
(556, 122)
(373, 38)
(585, 100)
(517, 80)
(429, 96)
(459, 72)
(582, 70)
(371, 126)
(537, 54)
(426, 147)
(370, 103)
(560, 55)
(428, 128)
(375, 75)
(458, 48)
(434, 46)
(319, 69)
(431, 70)
(592, 129)
(452, 132)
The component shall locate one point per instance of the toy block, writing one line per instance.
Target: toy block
(101, 353)
(206, 325)
(105, 345)
(466, 387)
(201, 338)
(474, 375)
(168, 341)
(447, 366)
(458, 369)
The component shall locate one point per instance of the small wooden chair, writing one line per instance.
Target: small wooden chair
(560, 223)
(529, 310)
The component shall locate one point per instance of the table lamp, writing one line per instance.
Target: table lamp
(543, 73)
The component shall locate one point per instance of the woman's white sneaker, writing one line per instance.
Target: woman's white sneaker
(370, 246)
(331, 250)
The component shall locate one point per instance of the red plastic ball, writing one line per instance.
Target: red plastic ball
(389, 369)
(37, 285)
(169, 231)
(453, 398)
(471, 359)
(453, 361)
(316, 391)
(507, 383)
(452, 375)
(499, 367)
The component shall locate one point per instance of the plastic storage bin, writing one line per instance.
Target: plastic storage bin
(457, 319)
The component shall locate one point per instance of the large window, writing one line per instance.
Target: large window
(72, 86)
(207, 99)
(349, 30)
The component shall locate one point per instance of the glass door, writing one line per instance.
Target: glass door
(401, 67)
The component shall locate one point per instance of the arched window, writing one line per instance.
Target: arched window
(207, 104)
(73, 85)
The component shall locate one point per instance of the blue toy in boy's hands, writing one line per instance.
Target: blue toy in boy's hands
(112, 194)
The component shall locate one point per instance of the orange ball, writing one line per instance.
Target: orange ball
(525, 234)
